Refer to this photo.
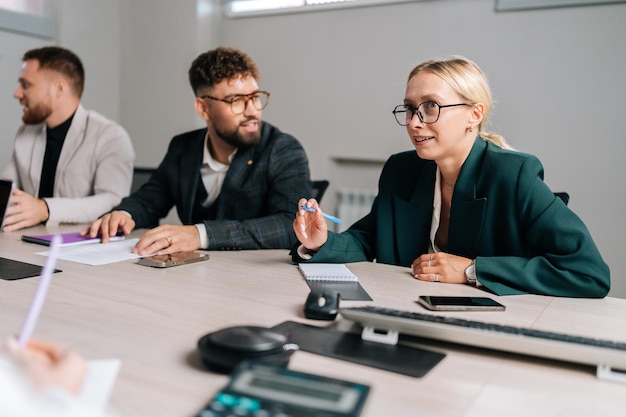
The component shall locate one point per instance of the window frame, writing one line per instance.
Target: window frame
(40, 23)
(304, 8)
(513, 5)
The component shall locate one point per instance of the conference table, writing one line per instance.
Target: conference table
(151, 320)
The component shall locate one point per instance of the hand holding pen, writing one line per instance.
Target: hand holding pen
(310, 224)
(40, 295)
(48, 364)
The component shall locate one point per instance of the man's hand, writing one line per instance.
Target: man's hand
(24, 211)
(168, 239)
(109, 224)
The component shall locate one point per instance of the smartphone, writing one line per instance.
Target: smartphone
(173, 259)
(442, 303)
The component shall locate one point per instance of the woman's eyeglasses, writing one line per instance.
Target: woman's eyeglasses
(427, 112)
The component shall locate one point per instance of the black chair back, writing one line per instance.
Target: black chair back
(319, 188)
(140, 177)
(563, 196)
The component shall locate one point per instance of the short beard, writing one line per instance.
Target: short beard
(37, 114)
(240, 140)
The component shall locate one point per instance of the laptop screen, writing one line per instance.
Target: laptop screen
(6, 187)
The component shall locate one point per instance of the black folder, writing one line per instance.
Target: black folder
(11, 270)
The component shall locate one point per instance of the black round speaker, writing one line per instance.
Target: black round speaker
(223, 350)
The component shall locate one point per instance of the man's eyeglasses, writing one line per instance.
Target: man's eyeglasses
(428, 112)
(239, 102)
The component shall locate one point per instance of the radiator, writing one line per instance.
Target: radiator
(352, 205)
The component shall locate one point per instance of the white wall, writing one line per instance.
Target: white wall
(159, 44)
(91, 29)
(556, 75)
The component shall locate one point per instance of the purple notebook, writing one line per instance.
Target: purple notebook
(68, 239)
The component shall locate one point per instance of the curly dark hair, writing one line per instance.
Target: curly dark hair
(61, 60)
(222, 63)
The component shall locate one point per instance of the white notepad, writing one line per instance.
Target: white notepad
(327, 272)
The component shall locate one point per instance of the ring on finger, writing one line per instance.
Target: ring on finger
(169, 240)
(436, 277)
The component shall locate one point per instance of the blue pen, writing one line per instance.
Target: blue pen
(328, 216)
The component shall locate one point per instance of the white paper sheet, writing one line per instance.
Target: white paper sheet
(93, 396)
(98, 253)
(99, 382)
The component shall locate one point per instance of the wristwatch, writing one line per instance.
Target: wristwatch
(470, 273)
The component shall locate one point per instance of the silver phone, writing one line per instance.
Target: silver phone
(173, 259)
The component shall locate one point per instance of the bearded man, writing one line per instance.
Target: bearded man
(68, 164)
(234, 183)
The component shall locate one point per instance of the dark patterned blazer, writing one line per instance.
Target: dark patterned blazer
(258, 199)
(524, 239)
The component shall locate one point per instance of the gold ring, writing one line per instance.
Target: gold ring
(169, 240)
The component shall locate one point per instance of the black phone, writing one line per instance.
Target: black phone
(173, 259)
(445, 303)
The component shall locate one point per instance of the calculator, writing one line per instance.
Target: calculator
(258, 390)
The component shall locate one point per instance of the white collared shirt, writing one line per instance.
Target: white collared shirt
(213, 173)
(434, 224)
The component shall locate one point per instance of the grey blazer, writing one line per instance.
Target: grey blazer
(94, 172)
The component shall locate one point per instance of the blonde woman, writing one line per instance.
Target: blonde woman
(463, 208)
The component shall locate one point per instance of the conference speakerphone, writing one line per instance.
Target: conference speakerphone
(384, 324)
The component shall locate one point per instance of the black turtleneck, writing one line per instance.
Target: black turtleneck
(54, 143)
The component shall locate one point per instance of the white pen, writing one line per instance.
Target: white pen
(42, 291)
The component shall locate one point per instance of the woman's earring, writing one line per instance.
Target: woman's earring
(471, 128)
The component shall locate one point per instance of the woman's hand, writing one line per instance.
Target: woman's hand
(440, 267)
(310, 228)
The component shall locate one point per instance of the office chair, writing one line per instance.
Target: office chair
(563, 196)
(140, 177)
(319, 188)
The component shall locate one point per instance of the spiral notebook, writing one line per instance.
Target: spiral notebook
(327, 272)
(335, 277)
